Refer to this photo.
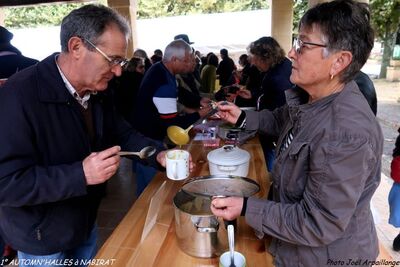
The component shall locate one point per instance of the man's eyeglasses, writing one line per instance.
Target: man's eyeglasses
(299, 44)
(112, 61)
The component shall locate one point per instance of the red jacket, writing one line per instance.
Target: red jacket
(395, 169)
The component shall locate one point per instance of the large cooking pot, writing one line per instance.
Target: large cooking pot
(199, 233)
(229, 160)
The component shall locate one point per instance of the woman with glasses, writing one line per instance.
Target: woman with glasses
(328, 155)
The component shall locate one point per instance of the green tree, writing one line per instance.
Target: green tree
(40, 15)
(165, 8)
(299, 8)
(385, 16)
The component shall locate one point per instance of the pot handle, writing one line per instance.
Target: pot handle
(212, 229)
(227, 168)
(206, 229)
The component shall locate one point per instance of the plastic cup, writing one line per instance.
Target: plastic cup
(225, 259)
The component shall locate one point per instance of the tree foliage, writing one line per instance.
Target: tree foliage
(165, 8)
(299, 8)
(385, 16)
(40, 15)
(37, 15)
(52, 14)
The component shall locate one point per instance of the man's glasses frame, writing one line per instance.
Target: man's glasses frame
(298, 45)
(122, 62)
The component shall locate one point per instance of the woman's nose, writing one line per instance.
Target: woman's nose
(292, 53)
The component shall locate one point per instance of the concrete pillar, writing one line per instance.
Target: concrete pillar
(128, 9)
(282, 22)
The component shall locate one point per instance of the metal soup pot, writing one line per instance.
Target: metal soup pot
(199, 233)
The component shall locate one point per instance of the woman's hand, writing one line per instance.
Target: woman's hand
(244, 93)
(228, 111)
(229, 208)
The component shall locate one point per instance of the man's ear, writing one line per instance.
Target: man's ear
(75, 46)
(341, 61)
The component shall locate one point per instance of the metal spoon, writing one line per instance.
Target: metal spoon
(145, 152)
(231, 241)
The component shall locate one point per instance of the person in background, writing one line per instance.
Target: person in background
(225, 69)
(155, 58)
(268, 56)
(157, 100)
(250, 78)
(158, 52)
(189, 84)
(142, 54)
(367, 88)
(208, 74)
(203, 61)
(157, 97)
(125, 88)
(11, 59)
(11, 62)
(329, 150)
(394, 194)
(62, 140)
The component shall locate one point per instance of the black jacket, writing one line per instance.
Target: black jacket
(45, 204)
(10, 64)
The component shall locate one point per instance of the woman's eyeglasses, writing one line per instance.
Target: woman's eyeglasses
(299, 44)
(112, 61)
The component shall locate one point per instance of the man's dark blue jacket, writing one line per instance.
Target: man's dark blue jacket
(45, 204)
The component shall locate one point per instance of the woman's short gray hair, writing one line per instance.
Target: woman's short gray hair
(178, 49)
(89, 22)
(345, 25)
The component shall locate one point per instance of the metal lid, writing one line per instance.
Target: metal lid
(228, 156)
(221, 185)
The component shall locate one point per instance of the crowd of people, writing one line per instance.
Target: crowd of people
(70, 114)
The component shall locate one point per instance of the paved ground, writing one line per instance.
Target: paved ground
(389, 117)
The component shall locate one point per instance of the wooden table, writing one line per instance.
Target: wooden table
(159, 248)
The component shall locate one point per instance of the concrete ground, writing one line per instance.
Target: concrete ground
(388, 94)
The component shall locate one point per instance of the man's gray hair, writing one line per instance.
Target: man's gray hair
(178, 49)
(89, 22)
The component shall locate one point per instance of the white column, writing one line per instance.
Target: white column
(128, 9)
(282, 22)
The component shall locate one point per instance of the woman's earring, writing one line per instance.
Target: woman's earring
(331, 76)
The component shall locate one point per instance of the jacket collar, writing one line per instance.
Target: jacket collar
(297, 100)
(50, 83)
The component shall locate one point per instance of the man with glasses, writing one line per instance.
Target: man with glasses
(157, 97)
(59, 141)
(156, 103)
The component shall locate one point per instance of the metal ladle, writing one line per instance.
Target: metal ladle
(231, 241)
(180, 136)
(145, 152)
